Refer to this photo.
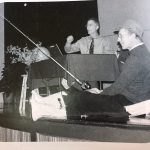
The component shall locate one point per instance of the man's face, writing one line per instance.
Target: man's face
(125, 38)
(92, 27)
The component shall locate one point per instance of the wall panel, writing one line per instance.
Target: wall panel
(113, 13)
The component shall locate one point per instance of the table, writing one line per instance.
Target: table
(101, 67)
(16, 128)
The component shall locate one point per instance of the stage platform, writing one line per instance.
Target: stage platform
(16, 128)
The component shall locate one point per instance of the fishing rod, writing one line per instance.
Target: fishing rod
(84, 85)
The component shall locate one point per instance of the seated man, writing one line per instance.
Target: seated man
(132, 86)
(40, 54)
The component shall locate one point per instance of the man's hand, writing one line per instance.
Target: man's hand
(94, 90)
(70, 39)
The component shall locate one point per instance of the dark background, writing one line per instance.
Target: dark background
(49, 22)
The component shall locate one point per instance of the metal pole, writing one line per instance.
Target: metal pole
(77, 80)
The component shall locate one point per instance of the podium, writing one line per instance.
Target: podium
(85, 67)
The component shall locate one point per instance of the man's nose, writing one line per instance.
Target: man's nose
(118, 39)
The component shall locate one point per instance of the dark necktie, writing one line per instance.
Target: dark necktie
(92, 47)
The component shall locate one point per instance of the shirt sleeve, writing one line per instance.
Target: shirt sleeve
(130, 71)
(71, 48)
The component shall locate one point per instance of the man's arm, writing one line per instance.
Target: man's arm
(70, 48)
(130, 71)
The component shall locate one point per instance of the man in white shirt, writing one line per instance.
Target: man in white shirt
(101, 44)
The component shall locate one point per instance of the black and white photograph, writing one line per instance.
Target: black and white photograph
(75, 71)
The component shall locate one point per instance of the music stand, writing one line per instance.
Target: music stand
(55, 51)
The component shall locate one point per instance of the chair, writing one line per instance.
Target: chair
(23, 95)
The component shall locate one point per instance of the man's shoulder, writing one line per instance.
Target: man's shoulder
(86, 38)
(141, 50)
(104, 39)
(141, 55)
(99, 37)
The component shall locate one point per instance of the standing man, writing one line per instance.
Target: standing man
(92, 44)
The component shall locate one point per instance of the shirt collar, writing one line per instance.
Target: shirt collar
(136, 45)
(99, 36)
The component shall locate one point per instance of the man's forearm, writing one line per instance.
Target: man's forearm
(67, 47)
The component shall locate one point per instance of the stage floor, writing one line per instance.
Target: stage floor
(132, 132)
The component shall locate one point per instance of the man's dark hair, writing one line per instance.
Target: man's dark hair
(95, 20)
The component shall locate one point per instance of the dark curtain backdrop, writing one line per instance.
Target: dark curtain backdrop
(49, 22)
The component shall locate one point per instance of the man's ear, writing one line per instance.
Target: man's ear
(97, 27)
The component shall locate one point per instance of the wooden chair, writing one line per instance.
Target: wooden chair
(23, 100)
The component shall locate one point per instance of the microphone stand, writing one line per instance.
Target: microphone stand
(84, 85)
